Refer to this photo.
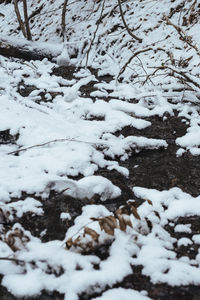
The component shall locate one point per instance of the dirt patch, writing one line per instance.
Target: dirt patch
(65, 72)
(7, 138)
(5, 295)
(25, 90)
(162, 169)
(158, 169)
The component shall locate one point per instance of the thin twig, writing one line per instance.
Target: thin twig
(169, 53)
(36, 12)
(12, 259)
(60, 193)
(190, 10)
(130, 59)
(53, 141)
(187, 78)
(152, 75)
(98, 23)
(53, 10)
(125, 24)
(182, 34)
(144, 70)
(92, 11)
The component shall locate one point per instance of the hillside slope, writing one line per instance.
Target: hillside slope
(99, 152)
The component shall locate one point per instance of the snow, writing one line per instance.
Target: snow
(120, 294)
(184, 242)
(196, 238)
(87, 187)
(61, 139)
(183, 228)
(177, 202)
(19, 208)
(66, 122)
(156, 246)
(65, 216)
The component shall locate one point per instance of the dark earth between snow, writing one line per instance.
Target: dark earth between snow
(160, 169)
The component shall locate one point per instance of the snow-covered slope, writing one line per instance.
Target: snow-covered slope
(57, 132)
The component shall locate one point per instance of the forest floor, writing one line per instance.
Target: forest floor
(158, 169)
(100, 151)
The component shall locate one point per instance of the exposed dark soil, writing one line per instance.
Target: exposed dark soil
(25, 90)
(5, 295)
(7, 138)
(159, 291)
(51, 221)
(160, 169)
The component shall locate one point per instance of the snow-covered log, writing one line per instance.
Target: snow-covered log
(28, 50)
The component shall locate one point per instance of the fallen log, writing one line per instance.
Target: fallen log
(28, 50)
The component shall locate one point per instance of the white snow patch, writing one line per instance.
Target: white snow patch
(121, 294)
(184, 242)
(183, 228)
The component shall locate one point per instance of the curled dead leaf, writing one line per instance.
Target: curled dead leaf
(127, 221)
(134, 212)
(69, 243)
(122, 223)
(157, 214)
(108, 224)
(150, 202)
(94, 235)
(16, 239)
(149, 224)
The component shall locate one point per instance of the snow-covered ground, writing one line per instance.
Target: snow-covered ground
(57, 139)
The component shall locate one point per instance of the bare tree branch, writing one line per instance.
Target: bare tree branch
(26, 21)
(24, 26)
(130, 59)
(21, 23)
(125, 24)
(54, 141)
(190, 13)
(63, 22)
(182, 34)
(98, 23)
(183, 76)
(13, 259)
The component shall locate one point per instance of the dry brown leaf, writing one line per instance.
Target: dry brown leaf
(123, 211)
(127, 221)
(121, 220)
(16, 239)
(108, 224)
(10, 241)
(118, 211)
(122, 223)
(134, 212)
(69, 243)
(92, 233)
(77, 241)
(150, 202)
(149, 224)
(157, 214)
(126, 210)
(112, 221)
